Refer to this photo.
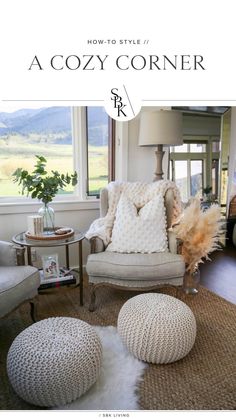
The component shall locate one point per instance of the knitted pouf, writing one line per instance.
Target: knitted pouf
(54, 361)
(157, 328)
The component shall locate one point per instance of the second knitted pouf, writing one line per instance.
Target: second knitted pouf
(157, 328)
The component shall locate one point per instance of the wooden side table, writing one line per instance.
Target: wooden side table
(78, 237)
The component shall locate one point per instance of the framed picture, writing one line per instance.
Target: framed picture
(50, 266)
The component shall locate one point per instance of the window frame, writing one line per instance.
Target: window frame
(80, 163)
(111, 153)
(207, 158)
(202, 176)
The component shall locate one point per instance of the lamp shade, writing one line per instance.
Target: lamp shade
(160, 127)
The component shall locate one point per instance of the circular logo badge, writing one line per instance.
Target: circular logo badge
(121, 103)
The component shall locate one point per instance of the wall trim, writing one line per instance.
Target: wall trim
(32, 207)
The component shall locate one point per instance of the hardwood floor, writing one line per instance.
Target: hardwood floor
(219, 275)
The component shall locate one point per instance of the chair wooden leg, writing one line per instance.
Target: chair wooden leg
(178, 292)
(92, 299)
(33, 310)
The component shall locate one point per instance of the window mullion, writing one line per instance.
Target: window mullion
(80, 149)
(189, 178)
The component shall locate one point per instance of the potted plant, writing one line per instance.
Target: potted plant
(199, 231)
(44, 186)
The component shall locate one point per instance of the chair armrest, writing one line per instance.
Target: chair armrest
(96, 245)
(179, 246)
(20, 255)
(174, 243)
(7, 254)
(11, 255)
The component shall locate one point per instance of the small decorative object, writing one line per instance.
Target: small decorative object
(199, 231)
(43, 186)
(35, 225)
(62, 231)
(50, 266)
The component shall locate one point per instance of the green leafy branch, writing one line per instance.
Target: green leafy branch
(40, 184)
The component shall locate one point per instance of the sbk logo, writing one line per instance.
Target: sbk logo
(118, 104)
(121, 103)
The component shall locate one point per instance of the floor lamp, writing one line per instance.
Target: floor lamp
(158, 128)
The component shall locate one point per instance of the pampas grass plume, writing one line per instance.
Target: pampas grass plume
(199, 232)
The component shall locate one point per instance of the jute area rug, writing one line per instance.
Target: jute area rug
(204, 379)
(121, 373)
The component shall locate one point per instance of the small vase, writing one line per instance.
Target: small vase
(48, 218)
(191, 282)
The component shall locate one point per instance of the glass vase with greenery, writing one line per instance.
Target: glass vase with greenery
(44, 186)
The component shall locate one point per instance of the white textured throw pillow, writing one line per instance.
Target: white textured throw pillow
(142, 231)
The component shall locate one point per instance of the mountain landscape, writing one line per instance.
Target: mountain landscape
(53, 120)
(26, 133)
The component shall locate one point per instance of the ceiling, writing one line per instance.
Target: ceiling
(210, 110)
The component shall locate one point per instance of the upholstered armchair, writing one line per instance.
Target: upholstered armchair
(18, 283)
(135, 271)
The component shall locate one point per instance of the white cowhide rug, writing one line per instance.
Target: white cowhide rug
(120, 375)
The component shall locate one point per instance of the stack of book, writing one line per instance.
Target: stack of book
(65, 278)
(35, 225)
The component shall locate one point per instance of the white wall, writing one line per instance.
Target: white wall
(121, 151)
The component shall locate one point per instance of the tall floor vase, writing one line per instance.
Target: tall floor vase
(191, 282)
(48, 215)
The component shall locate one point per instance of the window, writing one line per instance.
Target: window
(97, 140)
(181, 178)
(27, 132)
(197, 148)
(193, 169)
(215, 176)
(180, 149)
(196, 175)
(54, 133)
